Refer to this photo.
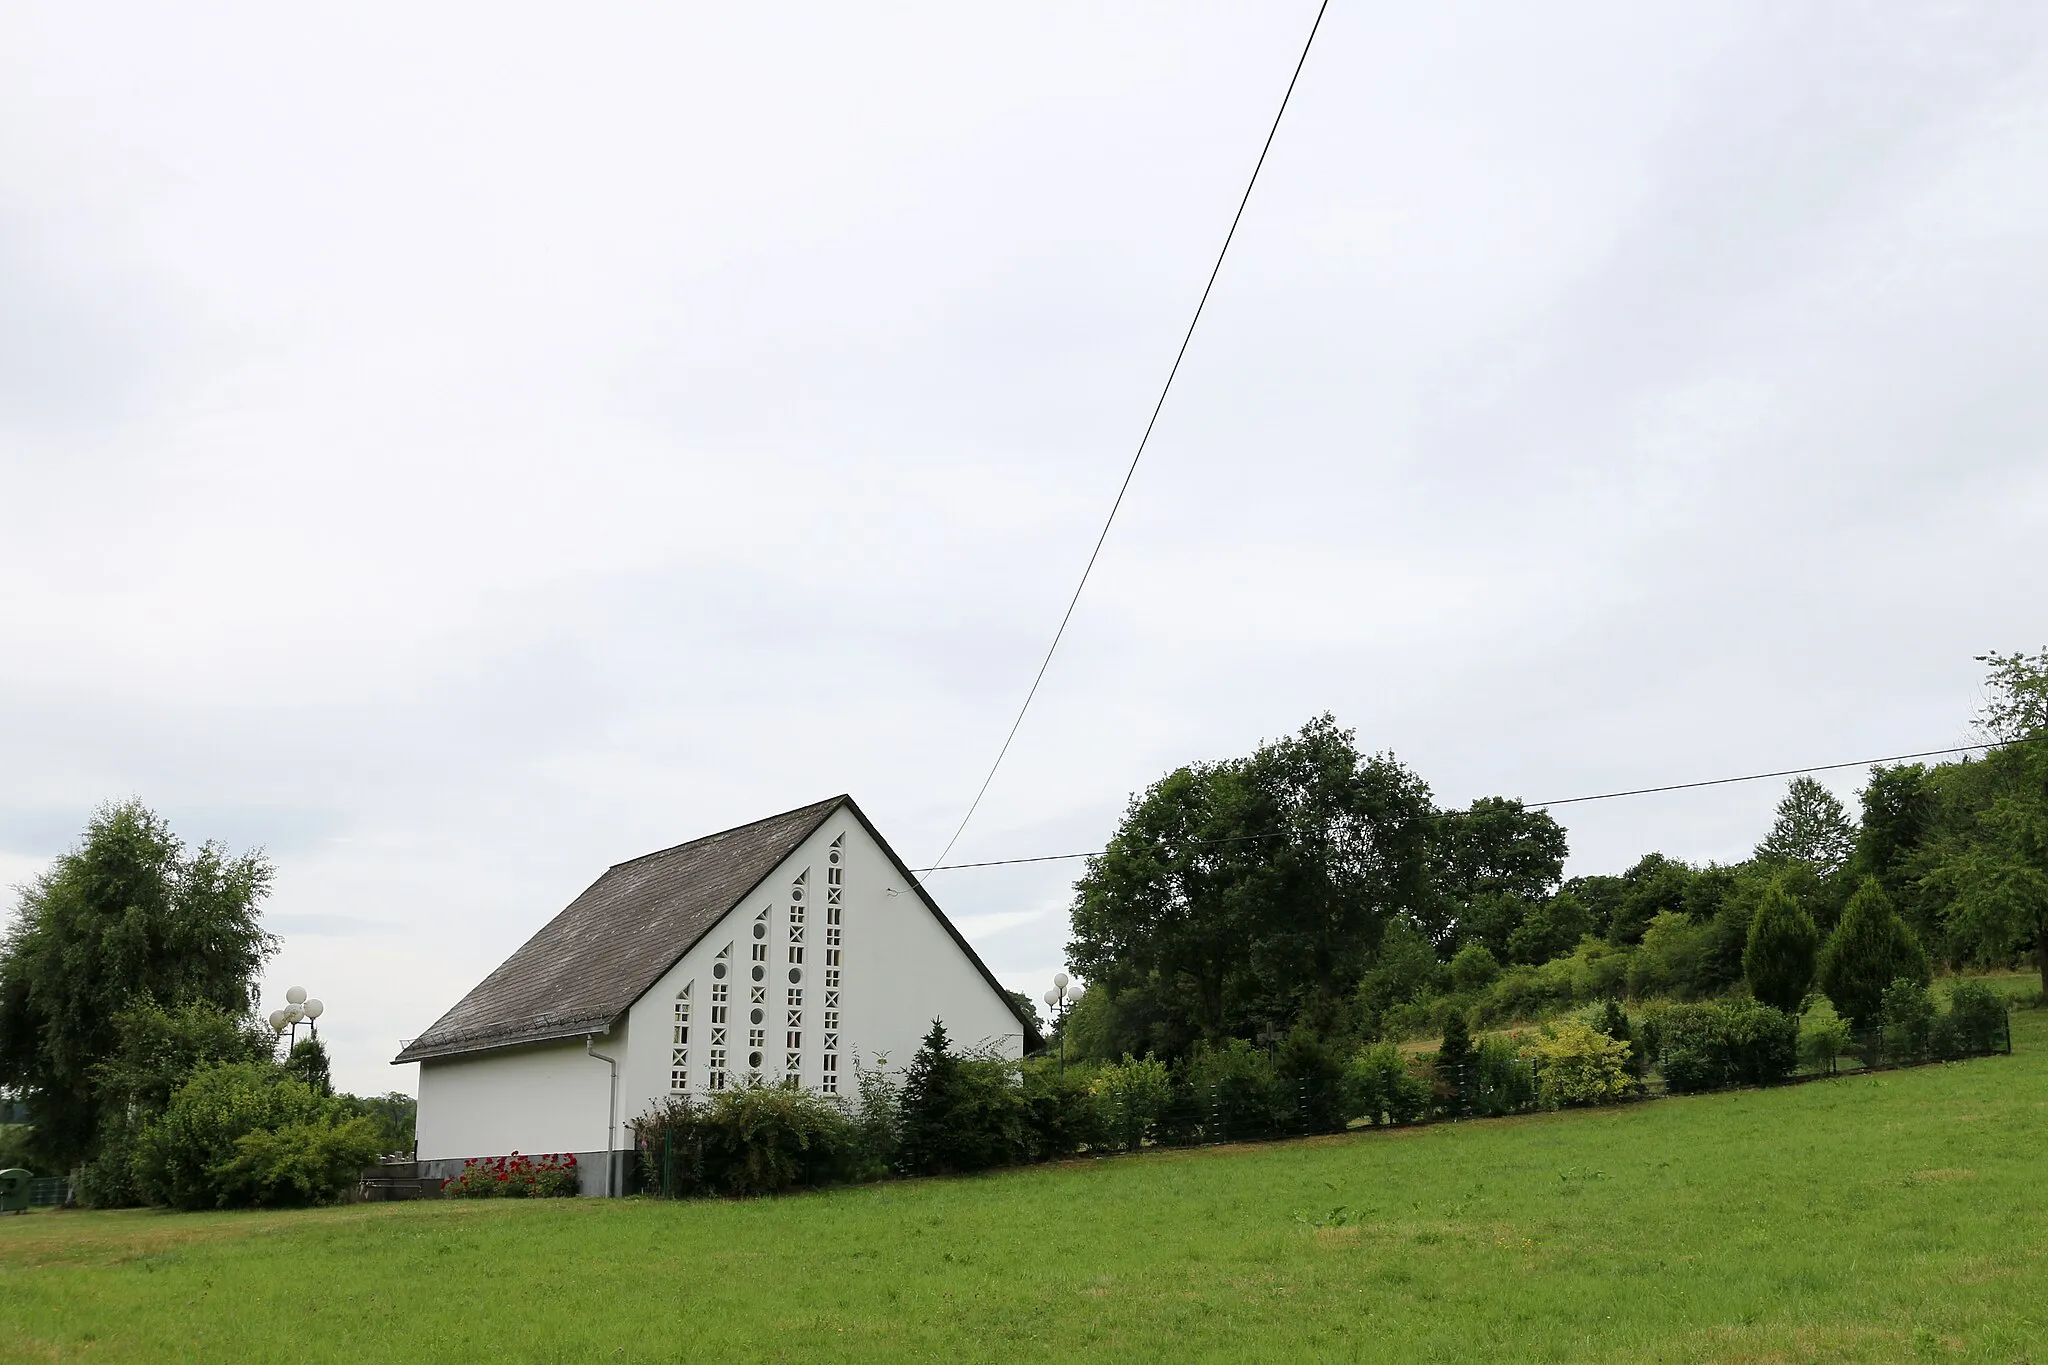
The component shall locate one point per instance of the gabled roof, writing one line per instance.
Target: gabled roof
(588, 964)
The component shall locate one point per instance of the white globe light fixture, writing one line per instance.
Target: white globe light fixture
(314, 1009)
(1065, 991)
(299, 1008)
(296, 995)
(277, 1021)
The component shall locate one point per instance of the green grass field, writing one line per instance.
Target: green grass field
(1895, 1216)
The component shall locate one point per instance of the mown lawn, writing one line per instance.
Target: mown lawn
(1895, 1216)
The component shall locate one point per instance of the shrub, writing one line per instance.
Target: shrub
(749, 1141)
(192, 1156)
(1243, 1095)
(1131, 1097)
(1706, 1047)
(1498, 1078)
(1474, 968)
(1907, 1008)
(1783, 947)
(1381, 1088)
(1598, 969)
(1762, 1042)
(1610, 1018)
(1824, 1036)
(1060, 1114)
(957, 1113)
(1577, 1064)
(1449, 1066)
(515, 1177)
(1978, 1016)
(1669, 962)
(1870, 949)
(1315, 1071)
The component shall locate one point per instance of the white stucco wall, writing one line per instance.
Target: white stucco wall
(900, 969)
(550, 1097)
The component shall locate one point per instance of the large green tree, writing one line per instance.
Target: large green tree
(1811, 828)
(1992, 873)
(1493, 864)
(126, 918)
(1238, 898)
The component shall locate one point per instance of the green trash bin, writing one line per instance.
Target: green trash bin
(14, 1185)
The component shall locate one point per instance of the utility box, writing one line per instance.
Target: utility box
(14, 1184)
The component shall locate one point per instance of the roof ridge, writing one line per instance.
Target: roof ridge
(723, 833)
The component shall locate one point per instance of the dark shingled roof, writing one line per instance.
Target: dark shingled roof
(592, 961)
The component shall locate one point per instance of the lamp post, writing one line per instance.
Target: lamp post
(1061, 998)
(297, 1010)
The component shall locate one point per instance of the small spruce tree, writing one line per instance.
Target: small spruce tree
(1783, 949)
(1870, 949)
(308, 1062)
(1451, 1057)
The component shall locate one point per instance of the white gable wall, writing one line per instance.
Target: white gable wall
(899, 967)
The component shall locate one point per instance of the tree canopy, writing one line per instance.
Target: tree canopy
(126, 919)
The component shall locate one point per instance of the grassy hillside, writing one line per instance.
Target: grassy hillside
(1886, 1217)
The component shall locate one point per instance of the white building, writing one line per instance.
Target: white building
(778, 950)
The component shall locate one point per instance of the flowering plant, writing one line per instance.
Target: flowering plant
(514, 1177)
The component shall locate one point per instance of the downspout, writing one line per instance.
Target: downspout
(611, 1118)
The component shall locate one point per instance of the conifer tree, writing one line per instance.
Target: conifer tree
(929, 1106)
(1870, 949)
(1783, 949)
(1451, 1057)
(1811, 828)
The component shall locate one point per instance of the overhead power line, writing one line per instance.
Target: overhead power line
(1535, 805)
(1143, 440)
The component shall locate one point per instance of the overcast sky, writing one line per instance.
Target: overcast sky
(458, 448)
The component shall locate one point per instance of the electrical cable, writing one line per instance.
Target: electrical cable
(1143, 440)
(1529, 805)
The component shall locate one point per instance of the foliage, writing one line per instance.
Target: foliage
(1870, 949)
(393, 1117)
(1824, 1036)
(1655, 886)
(750, 1140)
(1449, 1066)
(1577, 1064)
(1907, 1008)
(1245, 1096)
(2016, 701)
(1314, 1069)
(15, 1151)
(127, 916)
(1979, 1017)
(1551, 930)
(1474, 968)
(1783, 950)
(1061, 1113)
(957, 1113)
(1381, 1088)
(308, 1062)
(1498, 1078)
(1735, 1042)
(1406, 970)
(157, 1049)
(1493, 864)
(1811, 828)
(1671, 958)
(516, 1177)
(192, 1156)
(1131, 1097)
(1611, 1019)
(1246, 895)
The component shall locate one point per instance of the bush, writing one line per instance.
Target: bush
(754, 1140)
(1242, 1094)
(1061, 1116)
(1824, 1036)
(1131, 1098)
(1907, 1008)
(958, 1113)
(1315, 1071)
(1449, 1066)
(1669, 962)
(107, 1181)
(1498, 1078)
(1577, 1064)
(1474, 968)
(192, 1156)
(1977, 1015)
(515, 1177)
(1869, 950)
(1381, 1089)
(1707, 1047)
(1610, 1018)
